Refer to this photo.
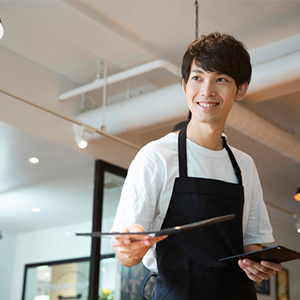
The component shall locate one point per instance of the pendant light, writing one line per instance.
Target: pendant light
(1, 30)
(297, 195)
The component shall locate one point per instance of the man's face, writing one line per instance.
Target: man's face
(211, 95)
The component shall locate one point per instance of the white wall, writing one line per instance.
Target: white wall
(45, 245)
(7, 251)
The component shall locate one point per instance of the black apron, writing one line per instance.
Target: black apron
(188, 266)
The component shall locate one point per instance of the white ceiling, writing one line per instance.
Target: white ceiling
(50, 47)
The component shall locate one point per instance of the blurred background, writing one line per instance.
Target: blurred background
(55, 54)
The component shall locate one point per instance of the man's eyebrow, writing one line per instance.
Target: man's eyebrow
(221, 73)
(197, 71)
(202, 72)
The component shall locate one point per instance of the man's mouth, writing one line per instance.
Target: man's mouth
(206, 104)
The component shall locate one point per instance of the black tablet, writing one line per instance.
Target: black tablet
(276, 254)
(162, 232)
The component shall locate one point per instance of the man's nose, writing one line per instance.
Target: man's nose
(207, 89)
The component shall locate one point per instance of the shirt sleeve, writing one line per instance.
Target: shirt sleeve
(258, 228)
(140, 192)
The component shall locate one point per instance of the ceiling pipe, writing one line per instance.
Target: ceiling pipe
(263, 58)
(169, 103)
(98, 83)
(275, 72)
(254, 126)
(137, 112)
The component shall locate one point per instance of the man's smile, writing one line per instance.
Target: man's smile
(207, 104)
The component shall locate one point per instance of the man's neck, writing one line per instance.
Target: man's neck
(206, 135)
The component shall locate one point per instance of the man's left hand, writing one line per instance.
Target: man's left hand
(259, 271)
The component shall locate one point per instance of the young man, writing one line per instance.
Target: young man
(194, 175)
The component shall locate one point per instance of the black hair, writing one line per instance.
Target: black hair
(217, 52)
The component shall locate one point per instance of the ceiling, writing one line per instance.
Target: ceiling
(51, 47)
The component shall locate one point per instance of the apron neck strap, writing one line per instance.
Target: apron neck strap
(182, 152)
(182, 156)
(234, 163)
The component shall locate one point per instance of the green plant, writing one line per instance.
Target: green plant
(106, 295)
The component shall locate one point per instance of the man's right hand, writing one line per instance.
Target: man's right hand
(129, 250)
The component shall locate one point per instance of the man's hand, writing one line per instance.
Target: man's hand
(259, 271)
(129, 250)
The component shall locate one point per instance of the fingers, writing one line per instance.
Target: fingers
(139, 248)
(271, 265)
(132, 246)
(127, 239)
(136, 249)
(256, 274)
(259, 271)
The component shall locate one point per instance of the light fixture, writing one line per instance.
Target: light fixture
(297, 224)
(81, 143)
(1, 30)
(33, 160)
(36, 209)
(297, 195)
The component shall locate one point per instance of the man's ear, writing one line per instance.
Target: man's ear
(184, 86)
(242, 91)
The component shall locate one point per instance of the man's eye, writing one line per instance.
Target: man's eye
(196, 78)
(221, 80)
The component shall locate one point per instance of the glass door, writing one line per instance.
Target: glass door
(57, 280)
(116, 281)
(110, 268)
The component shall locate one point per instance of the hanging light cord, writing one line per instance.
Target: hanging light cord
(196, 37)
(196, 19)
(103, 127)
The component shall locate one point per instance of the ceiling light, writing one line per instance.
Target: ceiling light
(46, 274)
(297, 195)
(81, 143)
(297, 224)
(33, 160)
(36, 209)
(1, 30)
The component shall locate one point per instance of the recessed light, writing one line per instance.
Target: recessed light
(33, 160)
(36, 209)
